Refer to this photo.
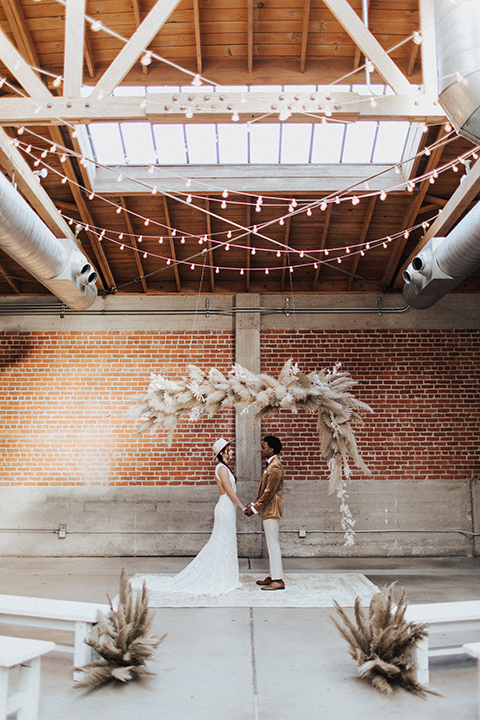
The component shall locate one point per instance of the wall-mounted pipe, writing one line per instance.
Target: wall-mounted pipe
(443, 263)
(457, 29)
(55, 262)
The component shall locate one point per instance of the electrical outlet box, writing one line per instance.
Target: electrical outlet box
(302, 533)
(62, 532)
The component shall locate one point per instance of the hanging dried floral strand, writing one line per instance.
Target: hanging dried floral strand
(326, 392)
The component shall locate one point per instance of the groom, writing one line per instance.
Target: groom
(269, 505)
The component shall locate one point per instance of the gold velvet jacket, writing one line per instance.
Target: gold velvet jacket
(269, 501)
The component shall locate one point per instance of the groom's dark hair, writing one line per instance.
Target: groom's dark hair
(274, 443)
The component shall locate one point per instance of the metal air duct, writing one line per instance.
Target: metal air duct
(457, 28)
(56, 262)
(443, 263)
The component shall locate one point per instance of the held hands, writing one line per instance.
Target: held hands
(248, 510)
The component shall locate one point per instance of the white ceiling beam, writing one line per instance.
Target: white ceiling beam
(429, 48)
(16, 166)
(74, 47)
(20, 69)
(139, 41)
(370, 47)
(167, 107)
(324, 178)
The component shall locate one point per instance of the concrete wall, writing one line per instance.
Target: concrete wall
(68, 456)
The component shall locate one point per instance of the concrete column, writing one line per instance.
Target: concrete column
(247, 446)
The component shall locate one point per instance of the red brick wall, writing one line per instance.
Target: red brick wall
(424, 389)
(62, 398)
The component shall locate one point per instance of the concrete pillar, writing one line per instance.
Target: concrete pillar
(247, 446)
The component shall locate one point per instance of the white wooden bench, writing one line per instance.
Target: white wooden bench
(26, 654)
(473, 649)
(77, 617)
(442, 618)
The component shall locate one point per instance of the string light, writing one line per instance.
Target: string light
(196, 81)
(383, 195)
(146, 59)
(140, 238)
(145, 255)
(147, 222)
(120, 237)
(160, 240)
(96, 26)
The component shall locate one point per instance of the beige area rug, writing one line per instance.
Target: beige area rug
(302, 590)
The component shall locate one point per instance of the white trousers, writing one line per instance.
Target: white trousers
(271, 528)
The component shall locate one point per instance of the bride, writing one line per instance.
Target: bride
(214, 570)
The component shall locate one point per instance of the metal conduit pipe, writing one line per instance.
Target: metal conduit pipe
(387, 531)
(55, 309)
(55, 262)
(443, 263)
(457, 29)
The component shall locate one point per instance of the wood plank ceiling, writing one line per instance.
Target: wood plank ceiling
(164, 241)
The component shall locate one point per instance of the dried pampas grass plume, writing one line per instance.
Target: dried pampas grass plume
(382, 642)
(325, 392)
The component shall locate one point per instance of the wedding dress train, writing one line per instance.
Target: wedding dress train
(214, 570)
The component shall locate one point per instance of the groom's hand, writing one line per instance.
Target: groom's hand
(248, 511)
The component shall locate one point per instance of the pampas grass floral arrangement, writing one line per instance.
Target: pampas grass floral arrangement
(122, 639)
(328, 393)
(382, 642)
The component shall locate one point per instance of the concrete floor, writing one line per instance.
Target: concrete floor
(248, 663)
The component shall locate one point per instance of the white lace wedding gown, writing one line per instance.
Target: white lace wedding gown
(214, 570)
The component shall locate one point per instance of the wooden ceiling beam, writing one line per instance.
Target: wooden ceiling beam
(21, 70)
(323, 242)
(250, 36)
(167, 107)
(89, 59)
(209, 244)
(286, 243)
(173, 253)
(460, 201)
(303, 49)
(139, 41)
(361, 239)
(74, 47)
(248, 244)
(14, 164)
(9, 280)
(134, 245)
(21, 33)
(198, 35)
(370, 47)
(412, 212)
(83, 211)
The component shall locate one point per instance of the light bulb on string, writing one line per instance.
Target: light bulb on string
(53, 149)
(189, 198)
(229, 234)
(118, 210)
(281, 221)
(447, 127)
(154, 190)
(36, 163)
(291, 269)
(417, 38)
(225, 193)
(309, 212)
(64, 180)
(58, 81)
(63, 158)
(147, 222)
(174, 232)
(323, 205)
(279, 254)
(182, 240)
(44, 154)
(196, 80)
(348, 251)
(217, 270)
(146, 59)
(227, 247)
(160, 240)
(242, 271)
(120, 178)
(383, 195)
(326, 252)
(140, 238)
(28, 149)
(145, 255)
(302, 254)
(424, 129)
(339, 260)
(253, 251)
(235, 116)
(189, 114)
(384, 245)
(406, 234)
(337, 200)
(367, 246)
(355, 200)
(192, 266)
(267, 271)
(122, 247)
(169, 261)
(315, 265)
(369, 66)
(427, 151)
(120, 237)
(454, 168)
(96, 25)
(20, 130)
(362, 253)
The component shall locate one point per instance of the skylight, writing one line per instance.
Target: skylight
(303, 142)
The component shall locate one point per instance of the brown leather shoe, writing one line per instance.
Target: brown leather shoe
(267, 581)
(275, 585)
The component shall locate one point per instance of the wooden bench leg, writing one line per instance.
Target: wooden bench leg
(82, 651)
(421, 658)
(30, 689)
(3, 692)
